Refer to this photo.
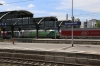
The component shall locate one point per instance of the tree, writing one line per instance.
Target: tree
(98, 24)
(77, 20)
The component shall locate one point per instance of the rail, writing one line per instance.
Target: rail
(39, 58)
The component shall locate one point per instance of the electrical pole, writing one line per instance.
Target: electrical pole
(72, 24)
(55, 27)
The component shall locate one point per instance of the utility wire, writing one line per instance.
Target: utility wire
(18, 1)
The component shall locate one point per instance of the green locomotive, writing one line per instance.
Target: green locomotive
(32, 34)
(41, 34)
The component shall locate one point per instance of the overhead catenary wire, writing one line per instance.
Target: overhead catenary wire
(18, 1)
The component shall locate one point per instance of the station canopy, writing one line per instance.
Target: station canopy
(49, 18)
(16, 14)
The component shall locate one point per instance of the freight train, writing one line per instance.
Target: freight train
(63, 33)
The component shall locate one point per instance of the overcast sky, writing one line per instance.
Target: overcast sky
(83, 9)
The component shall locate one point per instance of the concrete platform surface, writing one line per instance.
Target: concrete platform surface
(78, 48)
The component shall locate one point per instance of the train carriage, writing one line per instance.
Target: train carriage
(81, 33)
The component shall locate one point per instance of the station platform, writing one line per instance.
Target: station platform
(78, 48)
(83, 55)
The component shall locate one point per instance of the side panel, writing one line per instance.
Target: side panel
(42, 33)
(34, 34)
(80, 32)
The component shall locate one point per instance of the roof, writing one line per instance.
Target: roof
(24, 13)
(48, 18)
(18, 13)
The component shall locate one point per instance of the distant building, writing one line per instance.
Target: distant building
(85, 24)
(90, 23)
(82, 26)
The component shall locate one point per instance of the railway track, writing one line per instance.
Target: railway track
(13, 57)
(25, 62)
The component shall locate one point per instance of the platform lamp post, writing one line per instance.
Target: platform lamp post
(37, 26)
(55, 27)
(72, 24)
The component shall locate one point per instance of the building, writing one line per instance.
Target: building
(90, 23)
(82, 25)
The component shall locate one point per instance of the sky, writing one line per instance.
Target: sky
(82, 9)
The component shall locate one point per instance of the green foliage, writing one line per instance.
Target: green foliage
(77, 19)
(98, 24)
